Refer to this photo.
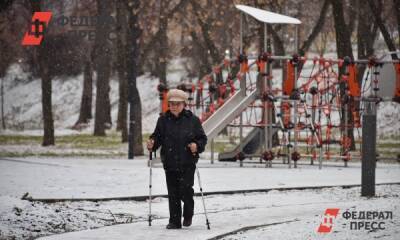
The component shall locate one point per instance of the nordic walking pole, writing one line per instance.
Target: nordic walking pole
(202, 197)
(151, 174)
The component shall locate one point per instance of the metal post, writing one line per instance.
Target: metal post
(285, 147)
(320, 157)
(270, 104)
(241, 33)
(265, 37)
(267, 121)
(345, 130)
(242, 85)
(312, 134)
(295, 112)
(212, 151)
(241, 136)
(289, 157)
(296, 39)
(368, 160)
(295, 128)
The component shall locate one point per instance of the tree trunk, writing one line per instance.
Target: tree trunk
(352, 15)
(279, 47)
(316, 30)
(48, 123)
(397, 12)
(85, 113)
(3, 120)
(102, 60)
(121, 68)
(123, 109)
(379, 21)
(108, 106)
(135, 108)
(201, 60)
(162, 55)
(366, 34)
(205, 27)
(343, 40)
(41, 57)
(201, 52)
(343, 45)
(149, 46)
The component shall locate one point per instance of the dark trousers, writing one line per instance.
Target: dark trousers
(180, 188)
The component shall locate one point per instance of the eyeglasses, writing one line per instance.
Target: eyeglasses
(175, 103)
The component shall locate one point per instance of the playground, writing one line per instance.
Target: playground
(292, 150)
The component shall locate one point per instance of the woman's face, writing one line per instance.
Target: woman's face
(176, 107)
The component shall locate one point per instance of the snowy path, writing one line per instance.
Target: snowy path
(97, 178)
(102, 178)
(300, 210)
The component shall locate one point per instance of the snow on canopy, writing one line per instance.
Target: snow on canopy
(266, 16)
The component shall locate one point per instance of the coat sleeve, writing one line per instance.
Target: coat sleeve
(200, 137)
(158, 134)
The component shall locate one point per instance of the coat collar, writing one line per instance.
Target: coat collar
(184, 113)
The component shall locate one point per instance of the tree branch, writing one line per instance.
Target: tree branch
(386, 36)
(316, 30)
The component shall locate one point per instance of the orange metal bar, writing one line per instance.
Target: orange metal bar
(164, 102)
(354, 87)
(288, 84)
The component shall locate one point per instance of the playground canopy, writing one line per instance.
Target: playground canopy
(266, 16)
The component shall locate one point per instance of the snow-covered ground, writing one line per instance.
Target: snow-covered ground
(22, 101)
(104, 178)
(274, 214)
(292, 215)
(99, 178)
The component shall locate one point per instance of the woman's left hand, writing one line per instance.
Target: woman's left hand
(193, 147)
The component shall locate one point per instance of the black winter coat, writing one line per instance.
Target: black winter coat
(174, 134)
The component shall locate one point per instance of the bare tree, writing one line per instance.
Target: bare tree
(366, 35)
(162, 55)
(121, 69)
(85, 113)
(5, 59)
(317, 28)
(379, 21)
(40, 54)
(344, 49)
(135, 110)
(3, 120)
(397, 12)
(205, 24)
(102, 63)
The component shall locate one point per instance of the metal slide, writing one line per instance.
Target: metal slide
(228, 112)
(251, 143)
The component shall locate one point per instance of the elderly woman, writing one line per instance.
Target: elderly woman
(182, 138)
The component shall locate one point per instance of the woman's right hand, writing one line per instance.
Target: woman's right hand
(150, 144)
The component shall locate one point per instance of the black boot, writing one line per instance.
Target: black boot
(187, 222)
(173, 226)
